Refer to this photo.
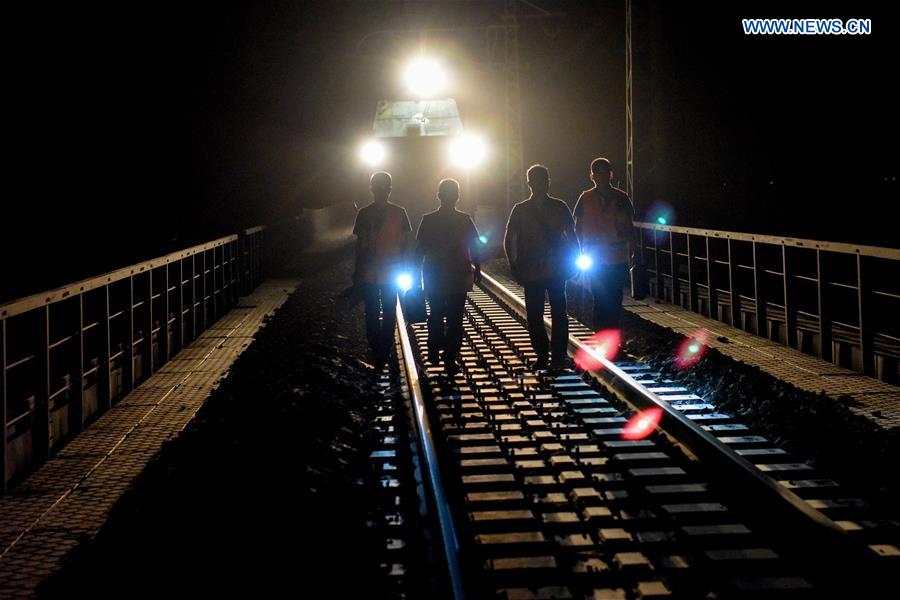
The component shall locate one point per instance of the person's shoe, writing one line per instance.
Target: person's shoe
(451, 367)
(560, 364)
(540, 364)
(380, 360)
(373, 358)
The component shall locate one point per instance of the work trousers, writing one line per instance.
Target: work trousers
(446, 338)
(606, 287)
(381, 318)
(555, 290)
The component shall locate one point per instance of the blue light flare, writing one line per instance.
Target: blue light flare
(404, 281)
(584, 262)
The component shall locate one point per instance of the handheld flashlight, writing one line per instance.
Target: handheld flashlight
(404, 281)
(584, 262)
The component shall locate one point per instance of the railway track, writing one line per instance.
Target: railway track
(531, 491)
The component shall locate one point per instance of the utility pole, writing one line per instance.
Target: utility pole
(629, 124)
(503, 53)
(515, 156)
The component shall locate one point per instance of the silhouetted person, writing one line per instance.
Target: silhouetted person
(603, 222)
(539, 231)
(382, 238)
(449, 247)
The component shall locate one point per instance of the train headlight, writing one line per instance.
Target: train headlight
(425, 77)
(372, 153)
(467, 151)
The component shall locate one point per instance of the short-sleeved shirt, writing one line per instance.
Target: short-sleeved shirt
(447, 239)
(539, 228)
(381, 230)
(604, 218)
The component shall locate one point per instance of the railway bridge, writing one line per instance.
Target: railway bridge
(763, 467)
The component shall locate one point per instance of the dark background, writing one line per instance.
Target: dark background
(142, 128)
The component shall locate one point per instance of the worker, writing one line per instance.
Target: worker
(604, 218)
(449, 251)
(541, 247)
(382, 232)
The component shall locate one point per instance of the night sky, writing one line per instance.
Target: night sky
(144, 127)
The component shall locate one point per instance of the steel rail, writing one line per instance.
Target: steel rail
(822, 537)
(447, 526)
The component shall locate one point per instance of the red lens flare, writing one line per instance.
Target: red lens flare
(691, 350)
(642, 424)
(602, 345)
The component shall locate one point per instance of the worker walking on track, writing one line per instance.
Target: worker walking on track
(603, 222)
(382, 232)
(541, 247)
(449, 249)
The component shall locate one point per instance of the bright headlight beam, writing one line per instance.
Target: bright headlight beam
(425, 77)
(372, 153)
(467, 150)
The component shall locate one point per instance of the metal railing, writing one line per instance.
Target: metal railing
(836, 301)
(70, 353)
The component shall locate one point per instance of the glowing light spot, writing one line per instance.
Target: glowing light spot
(372, 153)
(468, 150)
(404, 281)
(603, 345)
(642, 424)
(425, 77)
(691, 350)
(661, 213)
(584, 262)
(483, 239)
